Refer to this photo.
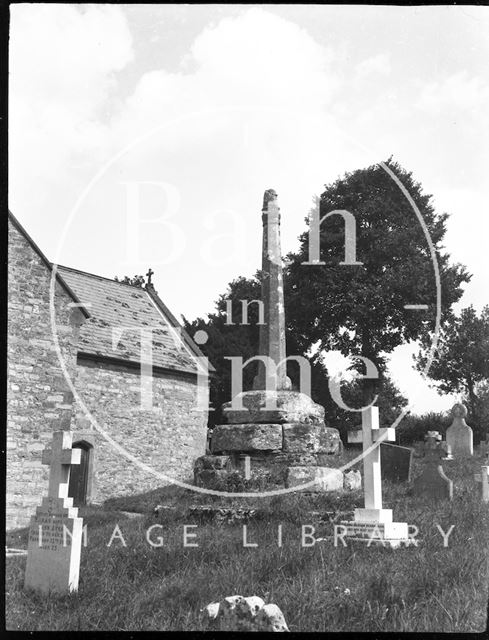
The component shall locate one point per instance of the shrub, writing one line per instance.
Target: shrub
(414, 428)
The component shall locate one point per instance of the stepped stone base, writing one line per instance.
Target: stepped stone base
(283, 406)
(392, 534)
(297, 437)
(246, 437)
(283, 445)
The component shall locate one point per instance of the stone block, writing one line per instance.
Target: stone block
(289, 406)
(325, 478)
(213, 462)
(301, 437)
(209, 477)
(352, 480)
(246, 437)
(329, 441)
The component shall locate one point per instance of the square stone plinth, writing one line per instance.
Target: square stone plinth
(246, 437)
(391, 534)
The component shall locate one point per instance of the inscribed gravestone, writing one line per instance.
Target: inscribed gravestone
(395, 462)
(433, 483)
(459, 435)
(55, 533)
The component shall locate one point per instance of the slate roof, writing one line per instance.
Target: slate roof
(114, 305)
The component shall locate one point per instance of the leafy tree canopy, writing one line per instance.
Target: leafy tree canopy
(360, 309)
(137, 281)
(461, 361)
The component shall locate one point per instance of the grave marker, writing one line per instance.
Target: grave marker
(395, 462)
(373, 523)
(55, 533)
(433, 483)
(459, 435)
(483, 478)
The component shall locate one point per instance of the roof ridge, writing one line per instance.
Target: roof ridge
(48, 264)
(95, 275)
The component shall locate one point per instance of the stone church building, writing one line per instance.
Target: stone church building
(100, 327)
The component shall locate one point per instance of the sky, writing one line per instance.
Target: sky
(144, 135)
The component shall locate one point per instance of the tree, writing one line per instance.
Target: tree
(137, 281)
(226, 339)
(390, 402)
(461, 361)
(360, 309)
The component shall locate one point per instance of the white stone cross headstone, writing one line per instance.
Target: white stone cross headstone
(55, 533)
(60, 458)
(372, 481)
(373, 522)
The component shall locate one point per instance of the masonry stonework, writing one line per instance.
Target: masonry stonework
(167, 438)
(38, 397)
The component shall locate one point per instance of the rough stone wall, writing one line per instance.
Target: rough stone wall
(168, 438)
(38, 396)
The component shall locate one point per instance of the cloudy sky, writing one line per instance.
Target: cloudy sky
(145, 135)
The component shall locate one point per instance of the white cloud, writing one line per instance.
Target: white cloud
(455, 92)
(376, 64)
(255, 59)
(62, 64)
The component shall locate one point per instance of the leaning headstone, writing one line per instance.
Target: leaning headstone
(433, 483)
(396, 462)
(55, 532)
(459, 435)
(373, 524)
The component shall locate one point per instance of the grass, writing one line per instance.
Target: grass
(322, 588)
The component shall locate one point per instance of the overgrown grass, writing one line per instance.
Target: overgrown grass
(322, 588)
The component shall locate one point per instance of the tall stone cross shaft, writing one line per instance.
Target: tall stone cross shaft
(272, 332)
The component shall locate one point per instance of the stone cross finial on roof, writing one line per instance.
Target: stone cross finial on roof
(149, 274)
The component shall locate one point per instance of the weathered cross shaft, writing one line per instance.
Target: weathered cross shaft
(272, 333)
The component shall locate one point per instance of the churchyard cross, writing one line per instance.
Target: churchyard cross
(272, 332)
(373, 523)
(55, 532)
